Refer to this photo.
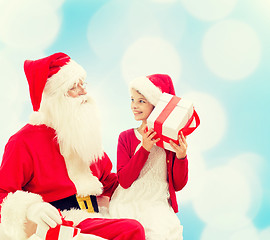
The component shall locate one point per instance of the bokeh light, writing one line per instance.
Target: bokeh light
(209, 10)
(231, 50)
(217, 204)
(164, 1)
(11, 109)
(108, 19)
(29, 24)
(265, 234)
(151, 55)
(213, 121)
(197, 170)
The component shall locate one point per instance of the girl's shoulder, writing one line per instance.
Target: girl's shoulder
(128, 140)
(127, 133)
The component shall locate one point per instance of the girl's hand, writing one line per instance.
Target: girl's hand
(181, 149)
(148, 141)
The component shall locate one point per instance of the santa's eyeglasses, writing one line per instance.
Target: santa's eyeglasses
(78, 87)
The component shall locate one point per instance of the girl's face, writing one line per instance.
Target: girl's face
(140, 107)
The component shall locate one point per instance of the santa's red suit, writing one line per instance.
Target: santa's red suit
(32, 162)
(33, 170)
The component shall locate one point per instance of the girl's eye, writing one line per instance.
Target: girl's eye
(132, 100)
(141, 101)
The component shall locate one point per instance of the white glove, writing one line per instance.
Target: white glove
(44, 215)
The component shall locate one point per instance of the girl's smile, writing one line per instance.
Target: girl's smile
(140, 107)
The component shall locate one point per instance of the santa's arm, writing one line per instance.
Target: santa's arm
(102, 169)
(15, 171)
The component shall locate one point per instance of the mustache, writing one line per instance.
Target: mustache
(82, 99)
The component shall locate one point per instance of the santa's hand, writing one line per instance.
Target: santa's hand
(44, 215)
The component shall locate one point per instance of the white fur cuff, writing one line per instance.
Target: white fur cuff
(13, 213)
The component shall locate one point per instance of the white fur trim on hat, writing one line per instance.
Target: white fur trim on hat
(64, 79)
(37, 118)
(147, 89)
(13, 213)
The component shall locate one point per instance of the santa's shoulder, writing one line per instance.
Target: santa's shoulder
(30, 131)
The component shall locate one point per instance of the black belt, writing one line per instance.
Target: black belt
(88, 203)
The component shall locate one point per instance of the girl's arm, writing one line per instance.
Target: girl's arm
(129, 166)
(179, 173)
(180, 163)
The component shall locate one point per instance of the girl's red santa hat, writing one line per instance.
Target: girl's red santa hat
(152, 86)
(51, 75)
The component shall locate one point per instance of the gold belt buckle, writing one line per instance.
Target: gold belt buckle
(85, 203)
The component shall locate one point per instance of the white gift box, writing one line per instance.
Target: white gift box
(170, 116)
(60, 232)
(65, 231)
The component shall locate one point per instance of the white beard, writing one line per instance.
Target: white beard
(77, 127)
(76, 123)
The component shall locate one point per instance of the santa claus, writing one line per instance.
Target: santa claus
(57, 160)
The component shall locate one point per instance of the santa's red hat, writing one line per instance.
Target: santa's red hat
(152, 86)
(58, 71)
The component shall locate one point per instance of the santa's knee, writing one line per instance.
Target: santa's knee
(136, 230)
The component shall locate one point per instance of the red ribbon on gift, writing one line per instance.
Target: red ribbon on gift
(53, 233)
(164, 115)
(64, 221)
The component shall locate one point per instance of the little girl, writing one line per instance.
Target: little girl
(148, 175)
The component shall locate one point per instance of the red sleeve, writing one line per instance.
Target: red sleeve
(129, 166)
(179, 173)
(103, 171)
(16, 168)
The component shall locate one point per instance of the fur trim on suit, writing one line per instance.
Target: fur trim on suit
(13, 213)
